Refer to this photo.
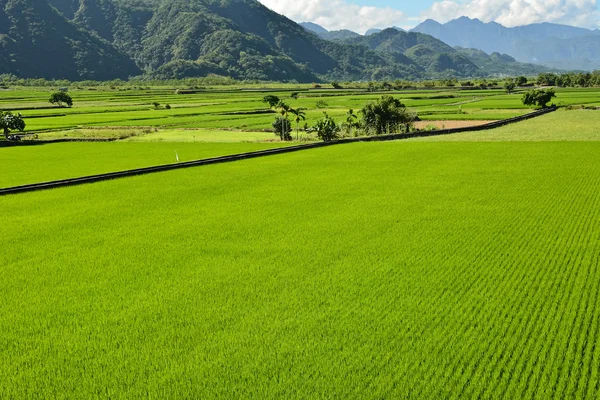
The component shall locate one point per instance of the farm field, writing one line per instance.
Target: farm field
(367, 270)
(236, 109)
(47, 162)
(562, 125)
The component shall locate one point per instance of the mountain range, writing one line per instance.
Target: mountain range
(554, 45)
(107, 39)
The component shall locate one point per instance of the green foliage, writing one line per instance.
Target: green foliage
(60, 98)
(509, 86)
(538, 97)
(9, 122)
(386, 115)
(298, 115)
(282, 128)
(326, 128)
(321, 104)
(520, 80)
(271, 100)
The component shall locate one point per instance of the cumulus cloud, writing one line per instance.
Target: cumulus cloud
(582, 13)
(338, 14)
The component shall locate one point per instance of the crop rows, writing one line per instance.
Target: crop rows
(369, 270)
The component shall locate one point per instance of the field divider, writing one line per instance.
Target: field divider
(255, 154)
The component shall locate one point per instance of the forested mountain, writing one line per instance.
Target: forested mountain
(37, 41)
(328, 35)
(501, 64)
(373, 31)
(430, 54)
(555, 45)
(105, 39)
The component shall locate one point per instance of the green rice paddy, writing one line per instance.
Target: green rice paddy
(373, 270)
(465, 268)
(48, 162)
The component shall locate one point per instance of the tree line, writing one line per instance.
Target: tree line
(386, 115)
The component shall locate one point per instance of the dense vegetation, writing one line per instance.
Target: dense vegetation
(242, 39)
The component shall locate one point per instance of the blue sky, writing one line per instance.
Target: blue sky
(360, 15)
(409, 7)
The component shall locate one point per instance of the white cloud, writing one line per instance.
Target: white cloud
(582, 13)
(338, 14)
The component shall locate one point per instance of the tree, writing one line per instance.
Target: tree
(520, 81)
(60, 98)
(386, 115)
(283, 123)
(271, 100)
(326, 128)
(10, 121)
(283, 128)
(299, 115)
(538, 97)
(351, 121)
(509, 85)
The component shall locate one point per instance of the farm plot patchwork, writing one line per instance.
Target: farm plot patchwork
(369, 270)
(243, 110)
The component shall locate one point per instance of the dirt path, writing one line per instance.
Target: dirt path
(449, 124)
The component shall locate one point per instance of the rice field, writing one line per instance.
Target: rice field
(368, 270)
(48, 162)
(460, 266)
(235, 109)
(562, 125)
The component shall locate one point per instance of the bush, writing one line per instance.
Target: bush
(322, 104)
(386, 115)
(538, 97)
(283, 128)
(60, 98)
(326, 128)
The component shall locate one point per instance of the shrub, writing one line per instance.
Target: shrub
(386, 115)
(326, 128)
(60, 98)
(282, 128)
(538, 97)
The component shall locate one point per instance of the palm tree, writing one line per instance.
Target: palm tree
(351, 121)
(284, 110)
(299, 115)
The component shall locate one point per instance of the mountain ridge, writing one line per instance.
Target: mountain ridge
(555, 45)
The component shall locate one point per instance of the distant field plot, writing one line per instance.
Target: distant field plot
(370, 270)
(203, 135)
(46, 162)
(243, 110)
(574, 125)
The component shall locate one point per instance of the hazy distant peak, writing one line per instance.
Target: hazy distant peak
(311, 26)
(377, 30)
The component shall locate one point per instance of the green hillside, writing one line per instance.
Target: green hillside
(106, 39)
(37, 41)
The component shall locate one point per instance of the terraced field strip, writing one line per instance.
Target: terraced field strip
(56, 161)
(373, 270)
